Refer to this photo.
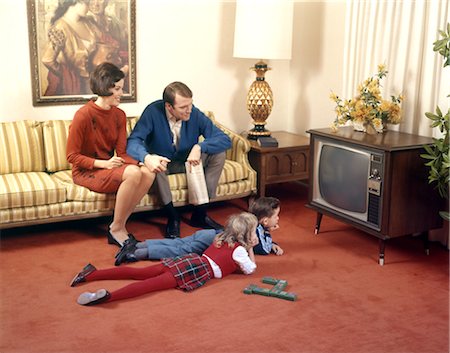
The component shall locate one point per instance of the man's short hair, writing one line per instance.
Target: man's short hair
(105, 77)
(176, 88)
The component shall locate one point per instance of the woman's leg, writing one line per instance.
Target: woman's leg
(136, 181)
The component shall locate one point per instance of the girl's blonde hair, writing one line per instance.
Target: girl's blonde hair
(238, 229)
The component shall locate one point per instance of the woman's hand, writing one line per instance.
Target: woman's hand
(114, 162)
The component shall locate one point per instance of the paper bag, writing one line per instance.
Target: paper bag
(198, 193)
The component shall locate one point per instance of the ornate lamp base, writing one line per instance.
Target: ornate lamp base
(258, 131)
(259, 102)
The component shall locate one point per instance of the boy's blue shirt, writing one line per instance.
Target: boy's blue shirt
(265, 241)
(152, 135)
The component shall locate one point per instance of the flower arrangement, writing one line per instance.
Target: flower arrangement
(368, 111)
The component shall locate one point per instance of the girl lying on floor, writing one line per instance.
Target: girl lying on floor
(231, 250)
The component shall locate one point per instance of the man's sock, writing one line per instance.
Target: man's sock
(199, 212)
(171, 212)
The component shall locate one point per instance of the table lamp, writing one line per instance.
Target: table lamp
(263, 30)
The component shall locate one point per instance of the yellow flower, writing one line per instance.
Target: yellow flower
(333, 96)
(368, 106)
(377, 124)
(385, 106)
(381, 67)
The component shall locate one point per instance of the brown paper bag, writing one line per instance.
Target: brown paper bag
(198, 193)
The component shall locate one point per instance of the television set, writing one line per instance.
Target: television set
(377, 183)
(348, 180)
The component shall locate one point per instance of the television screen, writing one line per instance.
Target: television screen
(343, 176)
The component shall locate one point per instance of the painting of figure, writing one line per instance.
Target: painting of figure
(69, 38)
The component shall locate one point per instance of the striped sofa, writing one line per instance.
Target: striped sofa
(36, 184)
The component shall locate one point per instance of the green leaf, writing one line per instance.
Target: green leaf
(445, 215)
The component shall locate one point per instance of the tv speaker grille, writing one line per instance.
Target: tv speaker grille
(373, 209)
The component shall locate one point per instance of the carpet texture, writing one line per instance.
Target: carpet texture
(346, 301)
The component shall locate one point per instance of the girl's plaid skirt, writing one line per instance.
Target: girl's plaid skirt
(190, 271)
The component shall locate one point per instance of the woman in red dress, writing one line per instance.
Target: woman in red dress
(96, 148)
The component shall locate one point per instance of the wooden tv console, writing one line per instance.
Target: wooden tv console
(410, 204)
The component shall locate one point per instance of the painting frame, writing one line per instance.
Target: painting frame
(38, 26)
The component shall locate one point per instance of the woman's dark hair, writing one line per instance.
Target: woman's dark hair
(63, 5)
(105, 77)
(176, 88)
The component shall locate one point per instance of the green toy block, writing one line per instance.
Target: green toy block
(249, 289)
(277, 291)
(280, 285)
(286, 295)
(269, 280)
(261, 291)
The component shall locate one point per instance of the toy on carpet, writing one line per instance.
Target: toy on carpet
(277, 291)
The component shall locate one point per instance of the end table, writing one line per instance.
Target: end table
(287, 162)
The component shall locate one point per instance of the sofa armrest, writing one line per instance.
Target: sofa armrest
(239, 145)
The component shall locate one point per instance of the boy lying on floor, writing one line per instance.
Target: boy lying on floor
(266, 210)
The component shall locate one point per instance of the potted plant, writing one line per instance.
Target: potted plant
(437, 153)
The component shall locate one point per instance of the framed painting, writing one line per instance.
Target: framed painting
(69, 38)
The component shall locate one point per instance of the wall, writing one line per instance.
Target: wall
(192, 41)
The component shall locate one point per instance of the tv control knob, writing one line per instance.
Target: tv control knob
(375, 174)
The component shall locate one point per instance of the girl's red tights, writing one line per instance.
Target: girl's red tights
(151, 278)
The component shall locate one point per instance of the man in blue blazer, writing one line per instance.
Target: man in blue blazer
(166, 136)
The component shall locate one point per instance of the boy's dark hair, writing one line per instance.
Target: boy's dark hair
(105, 77)
(264, 207)
(176, 88)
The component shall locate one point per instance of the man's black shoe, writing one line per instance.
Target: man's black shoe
(173, 229)
(205, 223)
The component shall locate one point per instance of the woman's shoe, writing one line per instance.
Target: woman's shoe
(112, 240)
(81, 276)
(131, 236)
(88, 298)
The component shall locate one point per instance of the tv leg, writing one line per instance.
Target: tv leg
(381, 252)
(426, 244)
(318, 221)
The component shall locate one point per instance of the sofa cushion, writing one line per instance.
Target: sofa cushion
(21, 147)
(131, 123)
(79, 193)
(55, 141)
(29, 189)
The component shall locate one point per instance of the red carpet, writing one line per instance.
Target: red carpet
(346, 301)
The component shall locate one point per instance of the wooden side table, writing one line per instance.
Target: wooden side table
(287, 162)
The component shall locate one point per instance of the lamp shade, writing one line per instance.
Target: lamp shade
(263, 29)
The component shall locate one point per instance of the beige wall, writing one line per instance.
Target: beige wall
(192, 41)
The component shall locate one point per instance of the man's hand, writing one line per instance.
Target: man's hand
(155, 163)
(195, 155)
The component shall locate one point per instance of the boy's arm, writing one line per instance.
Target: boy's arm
(277, 249)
